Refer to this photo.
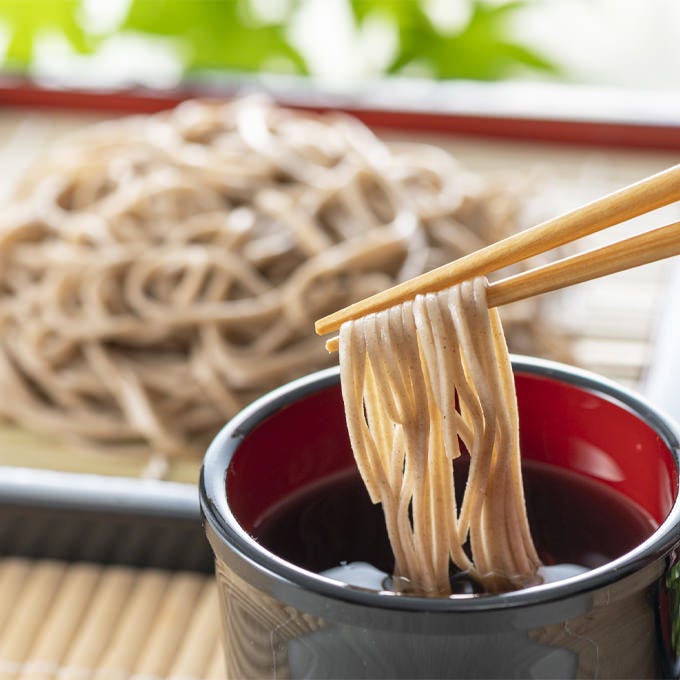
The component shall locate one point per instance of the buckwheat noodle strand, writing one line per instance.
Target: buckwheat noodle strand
(417, 380)
(159, 272)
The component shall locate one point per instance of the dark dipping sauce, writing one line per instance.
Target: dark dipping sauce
(573, 519)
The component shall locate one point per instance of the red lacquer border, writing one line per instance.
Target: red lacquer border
(664, 136)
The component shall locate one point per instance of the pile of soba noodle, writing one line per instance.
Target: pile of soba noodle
(159, 272)
(424, 384)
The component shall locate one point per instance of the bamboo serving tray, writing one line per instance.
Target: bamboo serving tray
(108, 579)
(612, 322)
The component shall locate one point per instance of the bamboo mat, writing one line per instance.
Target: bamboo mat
(81, 621)
(611, 323)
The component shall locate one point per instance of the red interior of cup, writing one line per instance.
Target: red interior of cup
(560, 424)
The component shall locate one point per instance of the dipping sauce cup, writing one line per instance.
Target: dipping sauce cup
(618, 620)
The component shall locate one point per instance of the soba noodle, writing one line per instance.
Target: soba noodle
(159, 272)
(418, 381)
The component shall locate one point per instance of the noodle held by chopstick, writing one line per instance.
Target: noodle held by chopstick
(418, 380)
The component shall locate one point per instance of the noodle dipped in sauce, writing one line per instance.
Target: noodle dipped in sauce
(424, 383)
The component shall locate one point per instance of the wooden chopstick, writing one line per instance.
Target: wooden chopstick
(650, 246)
(635, 251)
(639, 198)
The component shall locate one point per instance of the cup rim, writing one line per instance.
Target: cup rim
(219, 518)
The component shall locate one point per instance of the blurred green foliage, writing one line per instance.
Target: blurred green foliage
(215, 33)
(25, 20)
(481, 50)
(673, 585)
(232, 35)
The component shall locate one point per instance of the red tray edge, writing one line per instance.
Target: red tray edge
(460, 111)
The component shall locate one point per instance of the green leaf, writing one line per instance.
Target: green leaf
(214, 33)
(480, 51)
(520, 54)
(27, 19)
(402, 12)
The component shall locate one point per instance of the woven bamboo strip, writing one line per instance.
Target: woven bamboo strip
(29, 614)
(128, 639)
(217, 669)
(62, 621)
(169, 626)
(103, 616)
(201, 638)
(13, 574)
